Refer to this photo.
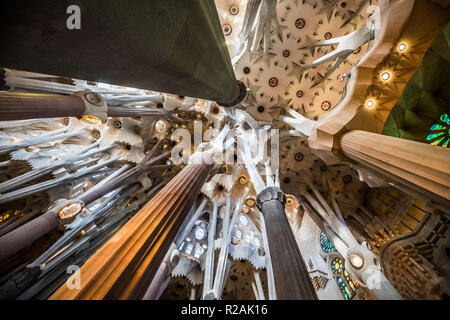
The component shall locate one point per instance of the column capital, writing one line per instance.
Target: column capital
(269, 194)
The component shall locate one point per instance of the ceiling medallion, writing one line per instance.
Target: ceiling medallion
(226, 28)
(300, 23)
(234, 9)
(273, 82)
(347, 178)
(326, 105)
(299, 156)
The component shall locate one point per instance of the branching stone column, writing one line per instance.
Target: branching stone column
(292, 280)
(125, 266)
(419, 166)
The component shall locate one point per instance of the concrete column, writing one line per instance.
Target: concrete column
(291, 277)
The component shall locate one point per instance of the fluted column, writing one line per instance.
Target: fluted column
(21, 106)
(291, 277)
(26, 234)
(63, 211)
(168, 46)
(419, 166)
(158, 280)
(126, 265)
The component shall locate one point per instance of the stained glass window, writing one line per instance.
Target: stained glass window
(352, 284)
(336, 266)
(198, 252)
(344, 289)
(326, 244)
(189, 249)
(439, 133)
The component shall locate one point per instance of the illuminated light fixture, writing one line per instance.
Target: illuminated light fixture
(69, 211)
(356, 261)
(200, 233)
(289, 200)
(370, 103)
(385, 76)
(91, 119)
(161, 126)
(401, 47)
(243, 180)
(250, 202)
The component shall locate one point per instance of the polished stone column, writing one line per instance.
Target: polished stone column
(22, 106)
(17, 239)
(157, 281)
(126, 265)
(291, 277)
(419, 166)
(168, 46)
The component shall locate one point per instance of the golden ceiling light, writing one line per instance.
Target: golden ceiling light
(370, 103)
(96, 134)
(243, 179)
(250, 202)
(356, 261)
(402, 47)
(91, 120)
(385, 76)
(245, 210)
(289, 199)
(69, 211)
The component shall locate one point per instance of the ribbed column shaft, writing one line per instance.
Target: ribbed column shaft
(157, 282)
(22, 106)
(125, 266)
(419, 166)
(17, 239)
(291, 277)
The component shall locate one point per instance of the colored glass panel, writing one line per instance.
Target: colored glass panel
(326, 244)
(439, 133)
(336, 266)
